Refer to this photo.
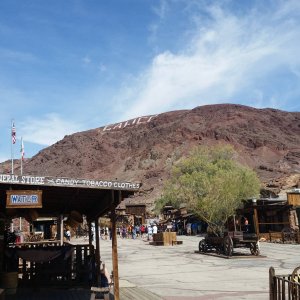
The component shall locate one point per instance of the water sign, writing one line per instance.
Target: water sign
(24, 199)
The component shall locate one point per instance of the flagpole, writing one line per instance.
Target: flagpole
(22, 155)
(12, 153)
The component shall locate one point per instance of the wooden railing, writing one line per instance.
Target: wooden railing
(74, 266)
(283, 287)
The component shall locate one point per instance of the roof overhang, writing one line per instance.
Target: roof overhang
(61, 195)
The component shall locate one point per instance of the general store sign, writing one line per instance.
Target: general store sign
(24, 199)
(68, 182)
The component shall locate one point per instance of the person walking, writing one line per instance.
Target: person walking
(143, 229)
(133, 233)
(150, 232)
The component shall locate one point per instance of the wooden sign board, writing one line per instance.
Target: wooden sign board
(24, 199)
(69, 182)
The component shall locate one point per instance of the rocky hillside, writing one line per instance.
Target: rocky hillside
(144, 149)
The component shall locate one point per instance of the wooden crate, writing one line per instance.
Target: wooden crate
(166, 238)
(293, 199)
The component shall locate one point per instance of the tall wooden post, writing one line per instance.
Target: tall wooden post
(256, 224)
(90, 233)
(2, 230)
(115, 246)
(98, 262)
(60, 229)
(272, 284)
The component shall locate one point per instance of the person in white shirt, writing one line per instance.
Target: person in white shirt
(68, 234)
(154, 229)
(150, 231)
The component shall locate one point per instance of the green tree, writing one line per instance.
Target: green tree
(211, 184)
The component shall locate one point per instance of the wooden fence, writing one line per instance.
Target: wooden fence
(283, 287)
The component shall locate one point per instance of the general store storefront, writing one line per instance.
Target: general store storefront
(55, 262)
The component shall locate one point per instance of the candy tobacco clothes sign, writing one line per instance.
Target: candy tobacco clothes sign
(68, 182)
(24, 199)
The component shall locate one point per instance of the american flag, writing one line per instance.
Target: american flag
(22, 150)
(13, 133)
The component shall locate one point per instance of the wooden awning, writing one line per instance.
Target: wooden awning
(61, 195)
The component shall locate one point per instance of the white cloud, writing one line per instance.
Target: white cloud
(227, 56)
(47, 130)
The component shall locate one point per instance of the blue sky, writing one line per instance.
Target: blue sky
(69, 66)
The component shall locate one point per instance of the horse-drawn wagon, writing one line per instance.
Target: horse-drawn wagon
(231, 238)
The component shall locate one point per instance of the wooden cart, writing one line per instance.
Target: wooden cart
(231, 239)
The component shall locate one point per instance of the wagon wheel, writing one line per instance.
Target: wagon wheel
(254, 248)
(296, 275)
(295, 287)
(228, 245)
(202, 246)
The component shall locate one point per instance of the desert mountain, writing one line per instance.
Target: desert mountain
(145, 149)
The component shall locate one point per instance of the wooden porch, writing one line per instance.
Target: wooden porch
(126, 293)
(57, 264)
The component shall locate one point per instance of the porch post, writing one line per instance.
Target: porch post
(98, 262)
(256, 224)
(61, 223)
(2, 231)
(114, 245)
(90, 233)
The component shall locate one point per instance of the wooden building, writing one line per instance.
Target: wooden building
(57, 262)
(138, 212)
(274, 218)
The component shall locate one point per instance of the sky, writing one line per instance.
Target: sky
(73, 65)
